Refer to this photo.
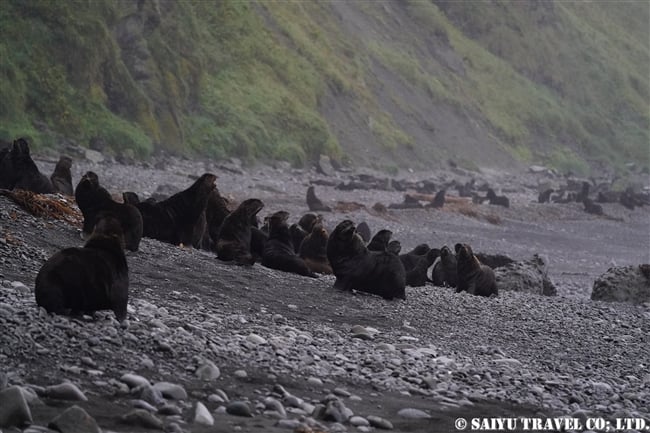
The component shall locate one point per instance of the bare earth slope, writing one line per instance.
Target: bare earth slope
(450, 355)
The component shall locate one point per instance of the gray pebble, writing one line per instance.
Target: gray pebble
(208, 371)
(141, 404)
(134, 380)
(202, 415)
(171, 390)
(14, 410)
(274, 405)
(74, 420)
(413, 413)
(240, 374)
(239, 408)
(142, 418)
(379, 422)
(290, 424)
(152, 395)
(358, 421)
(169, 409)
(65, 391)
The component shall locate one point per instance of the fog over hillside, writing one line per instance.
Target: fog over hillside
(386, 84)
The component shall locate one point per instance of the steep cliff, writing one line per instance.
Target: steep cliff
(403, 83)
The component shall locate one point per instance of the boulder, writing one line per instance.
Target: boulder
(526, 276)
(623, 284)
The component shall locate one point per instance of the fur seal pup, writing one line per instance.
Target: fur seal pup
(309, 220)
(314, 203)
(473, 277)
(84, 280)
(93, 199)
(357, 268)
(417, 263)
(313, 250)
(499, 200)
(61, 178)
(19, 171)
(180, 219)
(234, 237)
(380, 240)
(279, 252)
(363, 230)
(444, 273)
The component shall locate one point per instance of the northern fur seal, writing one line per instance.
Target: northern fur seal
(417, 263)
(93, 199)
(314, 203)
(234, 237)
(313, 250)
(380, 273)
(380, 240)
(19, 171)
(499, 200)
(439, 200)
(444, 272)
(61, 178)
(95, 277)
(216, 211)
(279, 252)
(363, 229)
(473, 277)
(180, 219)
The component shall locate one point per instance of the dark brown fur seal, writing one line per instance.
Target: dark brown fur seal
(297, 235)
(313, 250)
(93, 199)
(314, 203)
(380, 240)
(439, 200)
(234, 238)
(84, 280)
(180, 219)
(19, 171)
(417, 263)
(473, 277)
(363, 230)
(444, 271)
(216, 211)
(499, 200)
(61, 178)
(356, 268)
(279, 252)
(309, 220)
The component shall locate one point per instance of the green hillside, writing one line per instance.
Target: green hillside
(404, 83)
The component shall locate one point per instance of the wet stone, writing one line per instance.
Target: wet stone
(14, 410)
(239, 408)
(65, 391)
(171, 390)
(74, 420)
(379, 422)
(142, 418)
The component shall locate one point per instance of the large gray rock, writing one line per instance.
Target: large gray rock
(623, 284)
(14, 410)
(74, 420)
(526, 276)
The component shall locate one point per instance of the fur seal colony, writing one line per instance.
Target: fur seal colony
(200, 217)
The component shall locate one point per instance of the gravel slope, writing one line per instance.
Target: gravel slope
(447, 354)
